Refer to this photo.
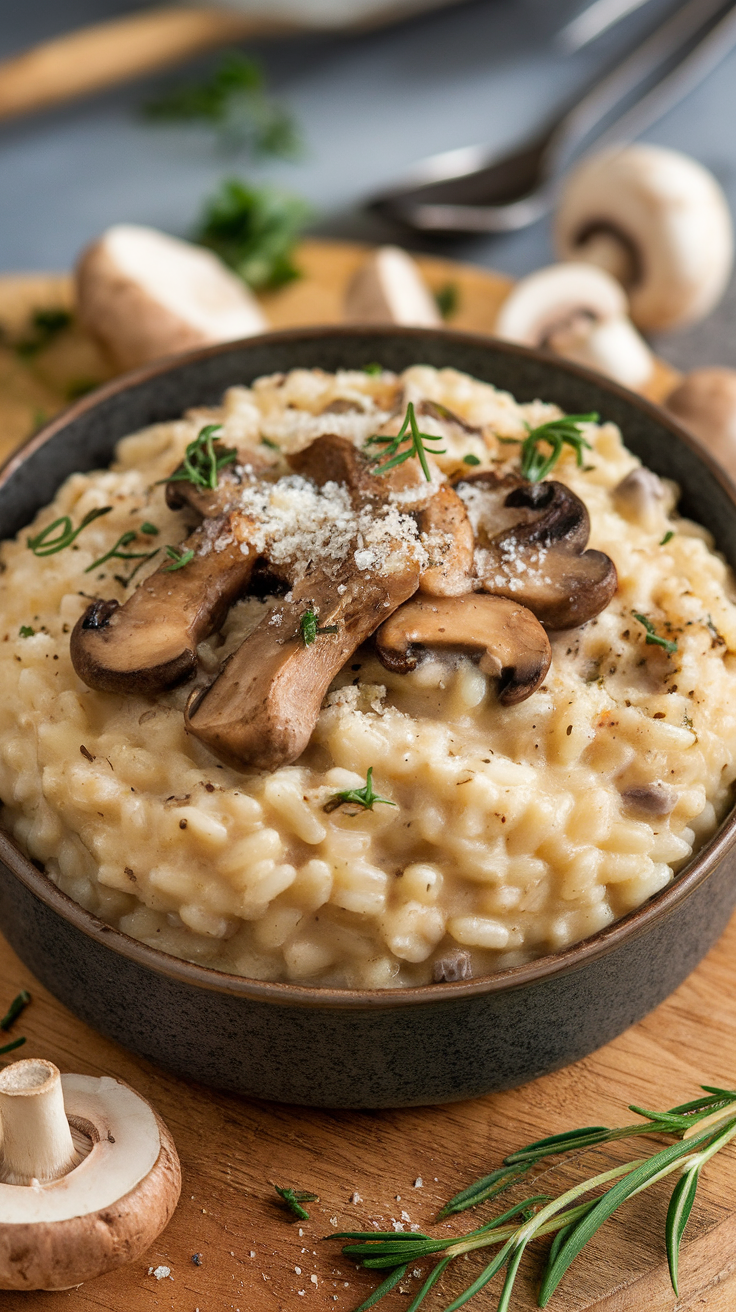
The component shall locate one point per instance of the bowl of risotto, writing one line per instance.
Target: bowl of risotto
(368, 709)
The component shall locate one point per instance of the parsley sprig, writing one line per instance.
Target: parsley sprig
(536, 464)
(701, 1129)
(653, 639)
(46, 544)
(294, 1199)
(409, 433)
(309, 628)
(363, 797)
(202, 463)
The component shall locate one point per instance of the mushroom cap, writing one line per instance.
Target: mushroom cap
(705, 402)
(671, 219)
(388, 288)
(550, 299)
(514, 647)
(106, 1211)
(145, 294)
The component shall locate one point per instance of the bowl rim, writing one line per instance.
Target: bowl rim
(540, 970)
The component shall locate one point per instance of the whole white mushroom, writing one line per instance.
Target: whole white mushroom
(658, 222)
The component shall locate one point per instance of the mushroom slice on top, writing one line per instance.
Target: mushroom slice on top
(447, 536)
(263, 707)
(514, 647)
(540, 561)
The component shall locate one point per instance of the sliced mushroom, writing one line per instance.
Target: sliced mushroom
(705, 402)
(263, 707)
(581, 313)
(513, 645)
(388, 288)
(66, 1217)
(447, 536)
(659, 222)
(541, 561)
(452, 966)
(652, 800)
(641, 498)
(144, 294)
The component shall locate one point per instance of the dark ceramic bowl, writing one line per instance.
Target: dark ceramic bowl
(326, 1047)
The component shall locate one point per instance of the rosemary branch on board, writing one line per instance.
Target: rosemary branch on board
(202, 463)
(363, 797)
(18, 1005)
(408, 433)
(536, 464)
(701, 1129)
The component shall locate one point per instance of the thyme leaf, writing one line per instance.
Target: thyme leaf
(309, 628)
(294, 1199)
(653, 639)
(45, 544)
(202, 463)
(254, 230)
(470, 459)
(408, 433)
(364, 796)
(178, 558)
(555, 434)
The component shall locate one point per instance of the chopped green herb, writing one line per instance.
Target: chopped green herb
(667, 538)
(45, 544)
(447, 299)
(17, 1006)
(309, 628)
(117, 553)
(202, 463)
(393, 455)
(557, 433)
(653, 637)
(254, 230)
(373, 369)
(149, 529)
(45, 326)
(25, 631)
(470, 459)
(234, 102)
(266, 441)
(294, 1199)
(178, 558)
(364, 797)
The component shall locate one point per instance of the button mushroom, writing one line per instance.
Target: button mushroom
(388, 288)
(659, 222)
(539, 561)
(513, 646)
(641, 498)
(144, 294)
(579, 312)
(705, 402)
(89, 1176)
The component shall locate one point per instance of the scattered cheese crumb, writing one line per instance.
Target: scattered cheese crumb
(160, 1273)
(298, 1270)
(419, 1183)
(397, 1225)
(333, 1220)
(356, 1198)
(301, 1233)
(314, 1280)
(405, 1216)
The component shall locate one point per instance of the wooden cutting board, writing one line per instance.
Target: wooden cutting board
(253, 1257)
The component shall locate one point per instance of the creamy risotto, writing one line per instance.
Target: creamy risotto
(515, 829)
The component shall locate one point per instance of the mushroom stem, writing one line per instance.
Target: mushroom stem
(37, 1142)
(609, 251)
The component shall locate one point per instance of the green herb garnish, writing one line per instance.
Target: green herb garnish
(294, 1199)
(178, 558)
(25, 631)
(409, 433)
(266, 441)
(364, 797)
(45, 326)
(233, 101)
(45, 544)
(702, 1127)
(254, 230)
(202, 463)
(557, 433)
(117, 552)
(150, 530)
(373, 369)
(447, 299)
(653, 639)
(309, 628)
(17, 1006)
(470, 459)
(667, 537)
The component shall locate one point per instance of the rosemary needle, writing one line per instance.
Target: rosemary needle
(294, 1199)
(419, 444)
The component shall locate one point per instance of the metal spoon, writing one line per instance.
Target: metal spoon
(472, 190)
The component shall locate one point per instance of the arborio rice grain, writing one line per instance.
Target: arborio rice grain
(517, 831)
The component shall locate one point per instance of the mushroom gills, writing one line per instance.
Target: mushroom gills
(262, 708)
(512, 644)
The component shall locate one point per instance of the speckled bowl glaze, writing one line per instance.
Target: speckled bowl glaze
(335, 1048)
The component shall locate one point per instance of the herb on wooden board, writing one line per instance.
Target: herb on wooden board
(418, 444)
(447, 299)
(46, 324)
(701, 1129)
(294, 1199)
(17, 1006)
(254, 230)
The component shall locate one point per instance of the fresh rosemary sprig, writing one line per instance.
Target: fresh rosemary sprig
(202, 463)
(45, 544)
(117, 553)
(309, 628)
(364, 797)
(653, 639)
(17, 1006)
(294, 1199)
(555, 434)
(702, 1127)
(178, 558)
(409, 433)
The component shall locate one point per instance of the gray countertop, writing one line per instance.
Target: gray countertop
(369, 105)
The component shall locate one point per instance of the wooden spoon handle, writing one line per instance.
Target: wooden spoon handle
(112, 52)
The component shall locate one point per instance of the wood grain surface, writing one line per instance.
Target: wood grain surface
(254, 1257)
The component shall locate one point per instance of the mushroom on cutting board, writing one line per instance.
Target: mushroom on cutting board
(579, 312)
(513, 646)
(144, 294)
(658, 222)
(705, 402)
(73, 1208)
(388, 288)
